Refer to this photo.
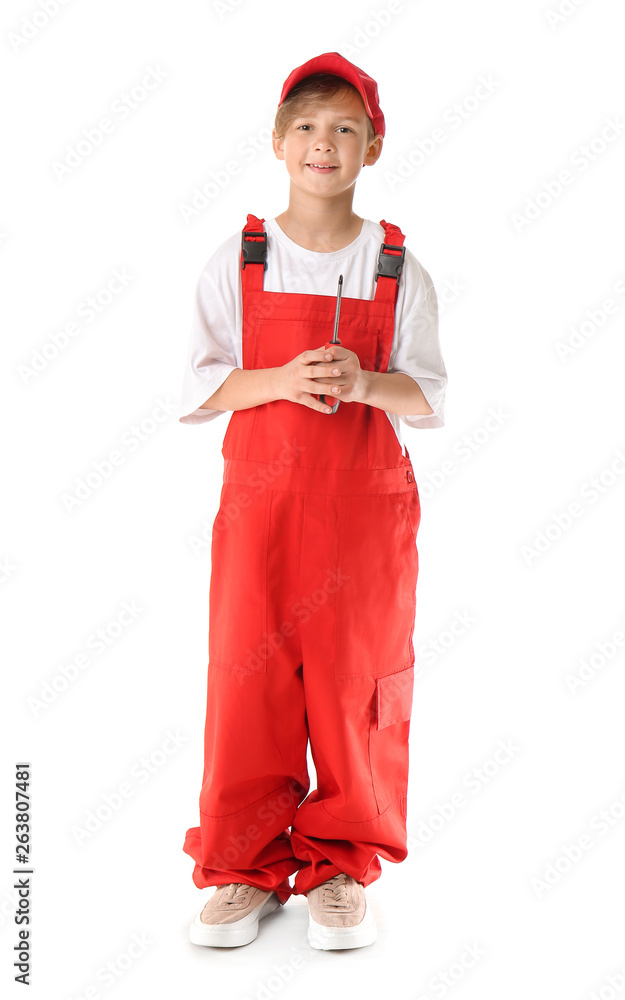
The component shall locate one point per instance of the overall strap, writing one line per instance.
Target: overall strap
(389, 269)
(253, 253)
(390, 264)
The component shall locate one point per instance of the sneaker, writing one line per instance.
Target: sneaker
(230, 918)
(338, 914)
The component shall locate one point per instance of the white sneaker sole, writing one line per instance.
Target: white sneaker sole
(326, 938)
(232, 935)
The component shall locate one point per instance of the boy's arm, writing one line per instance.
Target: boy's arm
(214, 345)
(416, 352)
(395, 392)
(244, 387)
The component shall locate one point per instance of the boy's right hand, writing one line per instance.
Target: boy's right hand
(296, 379)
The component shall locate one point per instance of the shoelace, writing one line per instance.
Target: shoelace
(236, 892)
(335, 892)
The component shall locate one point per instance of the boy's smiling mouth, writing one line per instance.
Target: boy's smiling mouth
(319, 167)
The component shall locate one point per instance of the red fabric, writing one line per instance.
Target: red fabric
(312, 607)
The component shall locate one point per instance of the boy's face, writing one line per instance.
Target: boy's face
(335, 134)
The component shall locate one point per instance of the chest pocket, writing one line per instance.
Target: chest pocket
(282, 339)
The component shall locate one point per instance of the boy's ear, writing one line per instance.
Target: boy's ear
(375, 150)
(278, 146)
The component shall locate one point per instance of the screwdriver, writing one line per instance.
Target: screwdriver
(335, 339)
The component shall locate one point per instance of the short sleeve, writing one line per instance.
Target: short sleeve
(213, 349)
(416, 350)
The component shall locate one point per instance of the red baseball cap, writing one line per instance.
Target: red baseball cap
(335, 63)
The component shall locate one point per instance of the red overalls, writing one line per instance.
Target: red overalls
(312, 606)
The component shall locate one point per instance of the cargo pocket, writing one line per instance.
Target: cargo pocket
(388, 737)
(238, 585)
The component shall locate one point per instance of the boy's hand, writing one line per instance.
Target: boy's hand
(319, 372)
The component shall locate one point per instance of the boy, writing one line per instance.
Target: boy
(313, 561)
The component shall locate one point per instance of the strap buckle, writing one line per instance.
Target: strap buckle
(390, 265)
(254, 251)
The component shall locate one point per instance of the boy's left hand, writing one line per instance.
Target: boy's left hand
(350, 380)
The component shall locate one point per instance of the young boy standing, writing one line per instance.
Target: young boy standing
(314, 561)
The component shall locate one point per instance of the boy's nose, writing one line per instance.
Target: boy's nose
(324, 141)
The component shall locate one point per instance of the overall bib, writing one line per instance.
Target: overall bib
(312, 606)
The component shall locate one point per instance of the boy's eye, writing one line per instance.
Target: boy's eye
(345, 127)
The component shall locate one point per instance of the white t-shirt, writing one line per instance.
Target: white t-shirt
(215, 347)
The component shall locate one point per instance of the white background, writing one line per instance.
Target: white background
(489, 488)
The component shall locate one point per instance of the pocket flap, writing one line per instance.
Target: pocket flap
(394, 697)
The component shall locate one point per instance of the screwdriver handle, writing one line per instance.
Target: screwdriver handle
(322, 398)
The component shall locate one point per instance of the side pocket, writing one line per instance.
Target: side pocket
(388, 737)
(412, 505)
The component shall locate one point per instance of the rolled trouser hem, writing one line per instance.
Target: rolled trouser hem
(352, 847)
(271, 877)
(309, 878)
(204, 877)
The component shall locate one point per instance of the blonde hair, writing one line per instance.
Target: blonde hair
(311, 93)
